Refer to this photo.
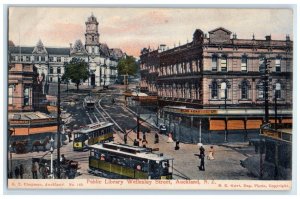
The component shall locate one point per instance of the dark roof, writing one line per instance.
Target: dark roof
(24, 50)
(104, 49)
(58, 51)
(51, 51)
(220, 28)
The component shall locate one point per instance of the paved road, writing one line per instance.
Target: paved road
(225, 166)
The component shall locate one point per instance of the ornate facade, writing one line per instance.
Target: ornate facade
(221, 70)
(50, 61)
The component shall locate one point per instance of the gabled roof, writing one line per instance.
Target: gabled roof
(78, 48)
(220, 28)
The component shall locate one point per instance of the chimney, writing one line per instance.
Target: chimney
(287, 38)
(268, 37)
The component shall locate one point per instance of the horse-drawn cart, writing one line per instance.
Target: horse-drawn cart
(68, 168)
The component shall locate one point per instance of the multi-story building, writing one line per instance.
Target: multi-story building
(50, 61)
(220, 71)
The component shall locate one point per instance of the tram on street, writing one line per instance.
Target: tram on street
(128, 162)
(89, 102)
(92, 134)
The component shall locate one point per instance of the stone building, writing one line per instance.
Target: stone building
(220, 71)
(50, 61)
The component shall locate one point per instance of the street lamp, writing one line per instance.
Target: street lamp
(51, 151)
(224, 87)
(137, 115)
(277, 89)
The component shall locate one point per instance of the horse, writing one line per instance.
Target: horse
(38, 143)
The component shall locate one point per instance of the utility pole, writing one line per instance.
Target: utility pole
(58, 128)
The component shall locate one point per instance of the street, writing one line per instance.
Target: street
(225, 166)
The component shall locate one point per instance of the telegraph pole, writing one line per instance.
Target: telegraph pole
(58, 128)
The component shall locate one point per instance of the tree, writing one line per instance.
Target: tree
(77, 71)
(127, 66)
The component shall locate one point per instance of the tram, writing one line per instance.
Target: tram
(89, 102)
(92, 134)
(128, 162)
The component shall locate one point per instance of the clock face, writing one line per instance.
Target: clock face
(92, 27)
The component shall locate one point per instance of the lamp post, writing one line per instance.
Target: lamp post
(58, 128)
(224, 87)
(277, 89)
(138, 116)
(51, 151)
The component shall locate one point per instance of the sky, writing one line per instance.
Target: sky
(132, 29)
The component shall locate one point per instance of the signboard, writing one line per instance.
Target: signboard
(192, 111)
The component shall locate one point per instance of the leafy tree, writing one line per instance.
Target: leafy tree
(77, 71)
(127, 66)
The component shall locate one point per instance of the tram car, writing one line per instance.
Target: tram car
(89, 102)
(128, 162)
(92, 134)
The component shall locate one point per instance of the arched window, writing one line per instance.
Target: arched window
(223, 90)
(262, 64)
(214, 90)
(244, 64)
(278, 90)
(260, 90)
(244, 89)
(278, 64)
(223, 64)
(214, 63)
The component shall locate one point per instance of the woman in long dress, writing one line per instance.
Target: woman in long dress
(211, 153)
(170, 140)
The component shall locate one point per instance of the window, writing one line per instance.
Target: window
(244, 64)
(223, 64)
(27, 58)
(262, 64)
(244, 88)
(214, 90)
(93, 50)
(278, 90)
(261, 93)
(58, 70)
(42, 58)
(51, 70)
(10, 94)
(26, 96)
(223, 90)
(50, 59)
(58, 59)
(214, 61)
(278, 64)
(93, 38)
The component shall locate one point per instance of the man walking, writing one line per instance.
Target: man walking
(125, 138)
(34, 170)
(202, 157)
(156, 140)
(21, 171)
(17, 172)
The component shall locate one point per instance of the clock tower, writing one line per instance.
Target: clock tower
(92, 35)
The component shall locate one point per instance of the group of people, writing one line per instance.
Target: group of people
(210, 156)
(19, 171)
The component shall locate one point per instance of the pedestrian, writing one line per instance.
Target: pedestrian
(211, 153)
(34, 170)
(21, 171)
(70, 136)
(17, 172)
(156, 140)
(144, 142)
(144, 135)
(63, 159)
(125, 138)
(170, 140)
(177, 145)
(202, 156)
(45, 171)
(135, 143)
